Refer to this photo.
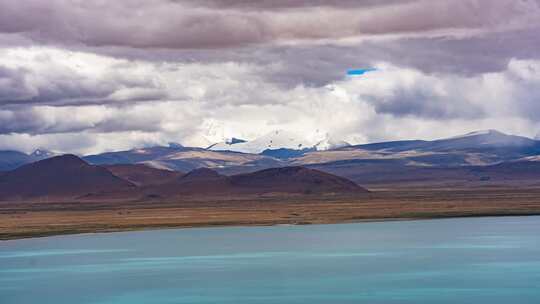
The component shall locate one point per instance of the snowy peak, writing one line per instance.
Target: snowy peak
(279, 139)
(41, 153)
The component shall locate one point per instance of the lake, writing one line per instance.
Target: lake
(469, 260)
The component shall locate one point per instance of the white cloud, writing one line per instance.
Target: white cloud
(202, 103)
(55, 76)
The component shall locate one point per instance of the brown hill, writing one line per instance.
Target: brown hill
(202, 182)
(201, 174)
(290, 180)
(65, 176)
(142, 175)
(293, 180)
(69, 177)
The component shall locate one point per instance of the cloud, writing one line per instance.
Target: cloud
(409, 92)
(190, 25)
(202, 103)
(288, 4)
(54, 76)
(79, 142)
(90, 76)
(309, 42)
(12, 84)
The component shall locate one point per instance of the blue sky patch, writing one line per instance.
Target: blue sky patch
(357, 72)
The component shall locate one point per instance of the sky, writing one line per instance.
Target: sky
(87, 76)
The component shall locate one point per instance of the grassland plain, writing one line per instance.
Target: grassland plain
(45, 218)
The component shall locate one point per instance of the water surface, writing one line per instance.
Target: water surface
(474, 260)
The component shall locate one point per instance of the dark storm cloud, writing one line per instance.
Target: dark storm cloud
(321, 63)
(181, 25)
(286, 4)
(245, 31)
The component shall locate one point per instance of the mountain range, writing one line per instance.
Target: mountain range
(481, 158)
(68, 177)
(477, 148)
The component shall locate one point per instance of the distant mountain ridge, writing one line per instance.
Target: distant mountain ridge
(471, 141)
(281, 149)
(68, 177)
(184, 159)
(482, 158)
(10, 160)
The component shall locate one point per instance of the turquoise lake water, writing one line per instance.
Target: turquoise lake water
(473, 260)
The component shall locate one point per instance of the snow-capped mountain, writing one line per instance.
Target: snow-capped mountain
(330, 143)
(279, 139)
(41, 153)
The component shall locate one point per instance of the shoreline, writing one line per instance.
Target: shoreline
(157, 228)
